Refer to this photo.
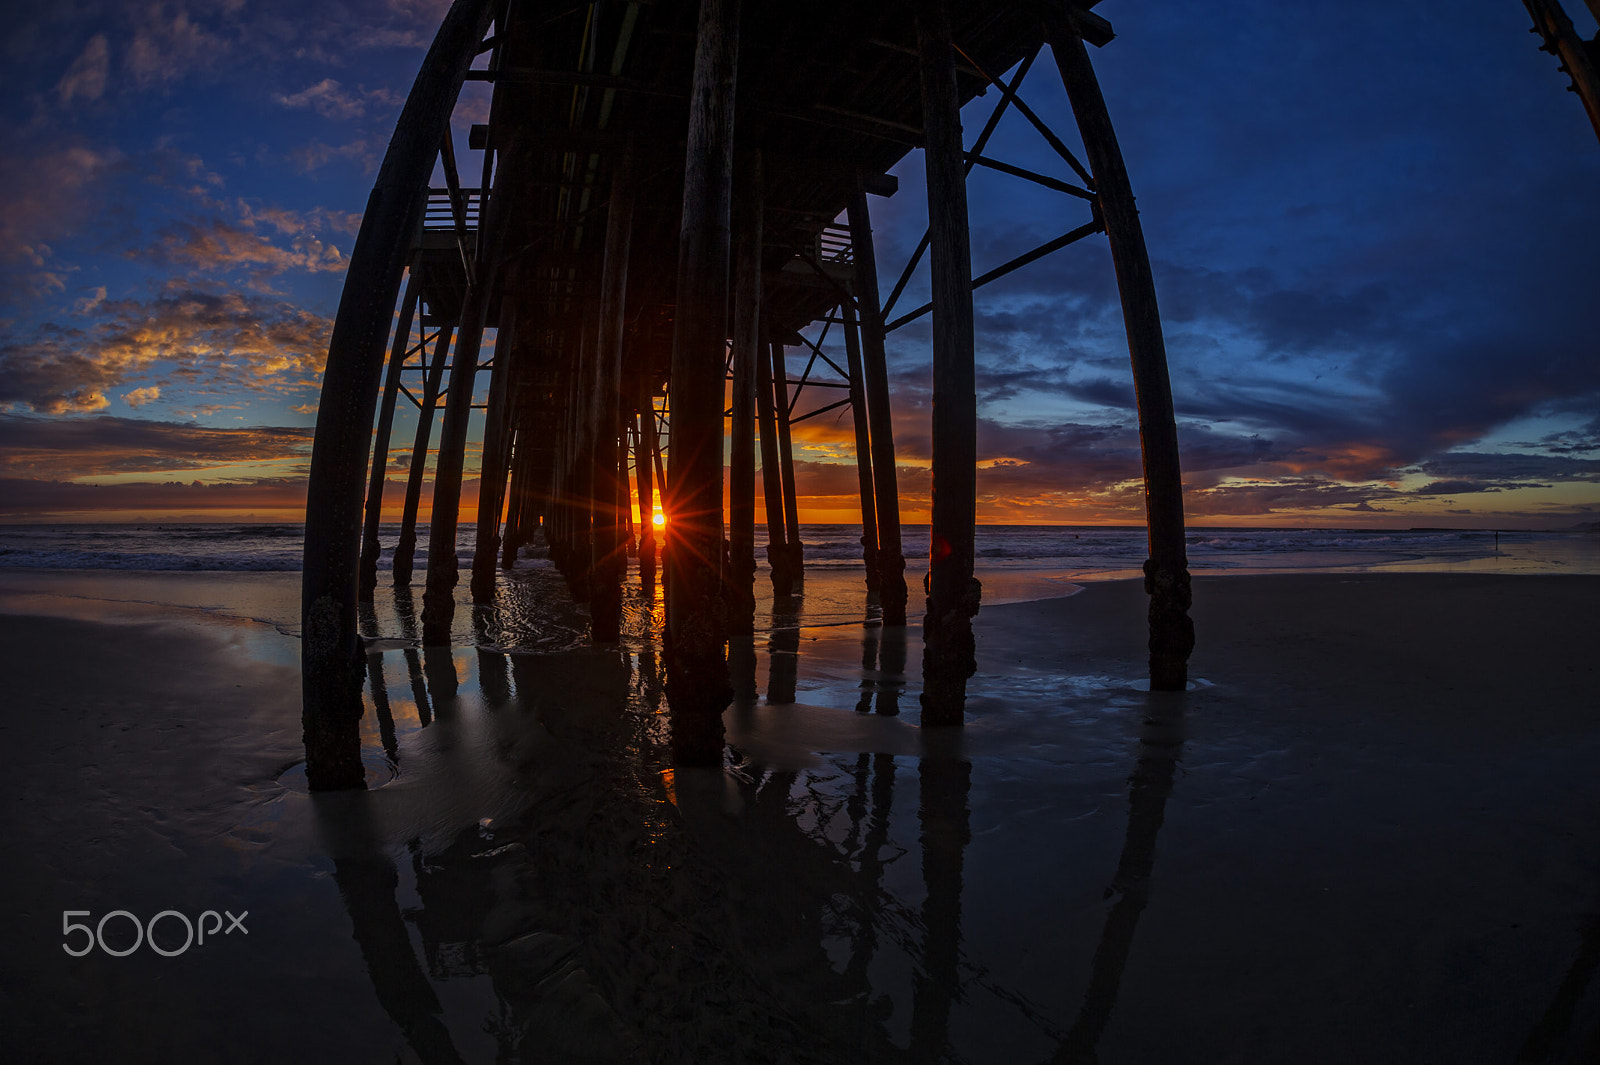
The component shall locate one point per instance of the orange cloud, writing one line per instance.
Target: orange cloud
(213, 245)
(32, 500)
(229, 342)
(294, 223)
(1351, 461)
(331, 100)
(73, 448)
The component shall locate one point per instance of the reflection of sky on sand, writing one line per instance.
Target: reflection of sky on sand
(1080, 871)
(534, 610)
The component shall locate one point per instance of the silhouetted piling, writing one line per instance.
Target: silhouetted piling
(772, 476)
(438, 597)
(858, 415)
(609, 550)
(406, 546)
(518, 516)
(697, 671)
(576, 556)
(793, 550)
(1167, 569)
(496, 458)
(953, 592)
(746, 350)
(331, 654)
(875, 382)
(370, 548)
(644, 462)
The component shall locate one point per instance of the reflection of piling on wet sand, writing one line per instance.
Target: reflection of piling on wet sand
(850, 886)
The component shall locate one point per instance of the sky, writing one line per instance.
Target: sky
(1371, 227)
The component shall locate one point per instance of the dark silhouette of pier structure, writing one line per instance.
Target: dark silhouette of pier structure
(1579, 59)
(664, 196)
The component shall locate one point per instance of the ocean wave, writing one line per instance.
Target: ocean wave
(147, 560)
(1079, 550)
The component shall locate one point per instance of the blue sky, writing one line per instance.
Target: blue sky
(1371, 228)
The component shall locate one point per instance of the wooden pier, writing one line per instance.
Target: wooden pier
(667, 194)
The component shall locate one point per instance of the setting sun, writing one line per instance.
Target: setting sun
(659, 518)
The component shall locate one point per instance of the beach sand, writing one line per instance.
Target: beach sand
(1368, 833)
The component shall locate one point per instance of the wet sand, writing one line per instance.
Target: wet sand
(1368, 833)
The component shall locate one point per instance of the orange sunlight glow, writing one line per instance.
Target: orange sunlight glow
(658, 519)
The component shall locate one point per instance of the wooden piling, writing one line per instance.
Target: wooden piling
(1167, 569)
(858, 416)
(609, 551)
(644, 462)
(577, 493)
(559, 526)
(880, 420)
(793, 550)
(517, 505)
(697, 670)
(370, 548)
(438, 597)
(332, 660)
(405, 548)
(746, 349)
(772, 476)
(953, 593)
(496, 458)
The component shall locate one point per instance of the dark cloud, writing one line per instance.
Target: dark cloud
(73, 55)
(1481, 467)
(1574, 441)
(84, 446)
(279, 498)
(1363, 284)
(30, 498)
(48, 193)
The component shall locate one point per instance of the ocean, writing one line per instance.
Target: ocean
(1073, 552)
(251, 570)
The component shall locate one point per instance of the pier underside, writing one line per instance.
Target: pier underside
(664, 196)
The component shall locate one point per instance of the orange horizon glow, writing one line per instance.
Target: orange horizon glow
(282, 500)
